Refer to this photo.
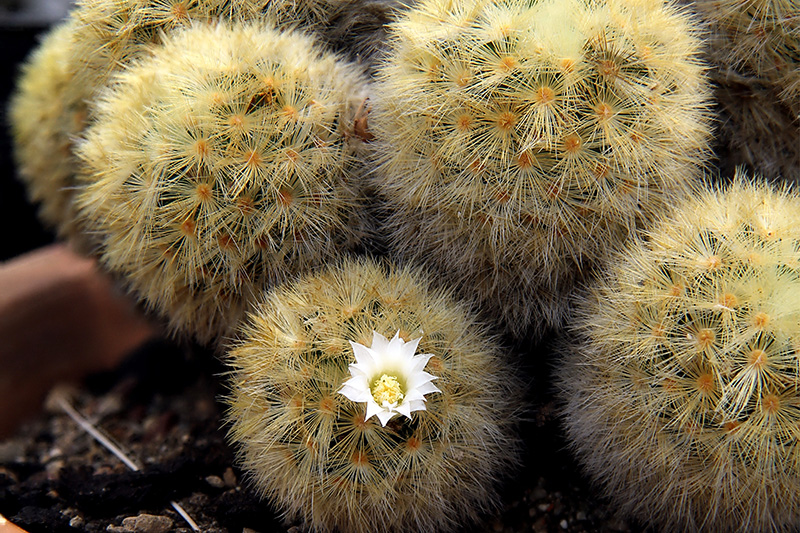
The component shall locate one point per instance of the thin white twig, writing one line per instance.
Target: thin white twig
(113, 448)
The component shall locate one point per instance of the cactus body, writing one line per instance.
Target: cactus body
(40, 114)
(219, 166)
(517, 142)
(681, 390)
(755, 47)
(759, 38)
(308, 448)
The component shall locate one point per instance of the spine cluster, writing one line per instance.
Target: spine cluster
(308, 447)
(219, 166)
(517, 142)
(681, 388)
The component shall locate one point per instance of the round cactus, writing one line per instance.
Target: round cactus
(105, 35)
(517, 141)
(220, 165)
(759, 38)
(681, 388)
(755, 47)
(430, 463)
(39, 115)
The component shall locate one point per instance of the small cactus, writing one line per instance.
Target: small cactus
(759, 38)
(219, 166)
(517, 142)
(322, 457)
(40, 113)
(754, 46)
(681, 389)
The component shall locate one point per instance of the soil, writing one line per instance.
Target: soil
(163, 408)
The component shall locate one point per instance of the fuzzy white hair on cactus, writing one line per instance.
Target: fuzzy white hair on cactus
(389, 377)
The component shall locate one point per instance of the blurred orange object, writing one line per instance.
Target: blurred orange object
(8, 527)
(60, 319)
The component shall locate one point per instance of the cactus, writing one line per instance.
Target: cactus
(220, 165)
(105, 35)
(318, 455)
(759, 38)
(39, 115)
(755, 48)
(517, 142)
(680, 389)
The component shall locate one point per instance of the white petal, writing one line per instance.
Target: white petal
(420, 361)
(385, 416)
(355, 394)
(418, 378)
(357, 382)
(414, 394)
(404, 409)
(417, 405)
(379, 342)
(411, 346)
(373, 409)
(427, 388)
(364, 356)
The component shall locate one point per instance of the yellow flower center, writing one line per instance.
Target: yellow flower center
(387, 389)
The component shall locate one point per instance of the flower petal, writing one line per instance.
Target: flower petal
(373, 409)
(365, 358)
(385, 416)
(420, 361)
(356, 389)
(414, 395)
(418, 378)
(379, 342)
(404, 409)
(417, 405)
(427, 388)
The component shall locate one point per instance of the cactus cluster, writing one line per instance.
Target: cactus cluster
(755, 47)
(219, 166)
(517, 142)
(681, 388)
(53, 101)
(318, 455)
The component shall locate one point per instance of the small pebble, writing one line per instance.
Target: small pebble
(147, 523)
(544, 507)
(580, 516)
(229, 477)
(564, 524)
(538, 493)
(215, 481)
(12, 450)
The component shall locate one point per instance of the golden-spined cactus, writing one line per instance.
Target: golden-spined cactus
(220, 165)
(682, 386)
(518, 141)
(314, 363)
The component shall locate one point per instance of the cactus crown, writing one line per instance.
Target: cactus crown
(690, 358)
(531, 128)
(308, 447)
(219, 166)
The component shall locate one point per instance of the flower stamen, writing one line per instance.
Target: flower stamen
(387, 391)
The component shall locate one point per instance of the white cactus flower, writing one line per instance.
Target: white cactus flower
(389, 377)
